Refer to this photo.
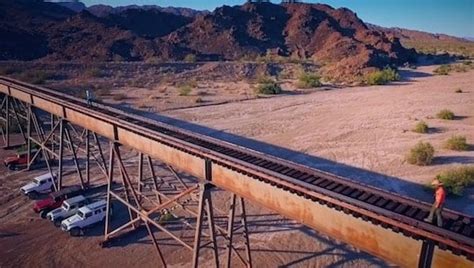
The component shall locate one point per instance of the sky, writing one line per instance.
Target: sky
(454, 17)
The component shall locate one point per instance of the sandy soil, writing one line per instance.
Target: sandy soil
(359, 132)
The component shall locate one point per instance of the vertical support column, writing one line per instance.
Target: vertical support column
(230, 230)
(243, 220)
(67, 134)
(88, 173)
(28, 134)
(153, 175)
(140, 176)
(53, 137)
(61, 154)
(7, 123)
(109, 188)
(205, 207)
(426, 254)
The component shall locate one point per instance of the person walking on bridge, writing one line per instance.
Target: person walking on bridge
(437, 208)
(89, 97)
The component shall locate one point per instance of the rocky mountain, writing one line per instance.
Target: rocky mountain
(406, 34)
(429, 42)
(105, 10)
(73, 5)
(336, 39)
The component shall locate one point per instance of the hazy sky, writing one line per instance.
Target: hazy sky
(455, 17)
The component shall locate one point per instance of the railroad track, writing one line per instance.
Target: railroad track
(389, 210)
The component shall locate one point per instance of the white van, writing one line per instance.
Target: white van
(40, 184)
(68, 208)
(85, 217)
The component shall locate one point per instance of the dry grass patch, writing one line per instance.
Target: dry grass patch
(382, 77)
(268, 86)
(119, 97)
(94, 73)
(421, 154)
(307, 80)
(457, 143)
(36, 77)
(445, 114)
(455, 180)
(185, 90)
(421, 127)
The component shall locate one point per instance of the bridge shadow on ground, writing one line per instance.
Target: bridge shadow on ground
(279, 229)
(375, 179)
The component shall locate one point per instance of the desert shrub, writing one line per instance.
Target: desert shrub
(190, 58)
(193, 83)
(198, 100)
(421, 127)
(185, 90)
(94, 72)
(458, 90)
(460, 68)
(382, 77)
(117, 58)
(443, 69)
(307, 80)
(456, 143)
(36, 77)
(6, 70)
(458, 178)
(268, 86)
(119, 97)
(445, 114)
(421, 154)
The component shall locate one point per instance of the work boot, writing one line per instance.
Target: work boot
(428, 220)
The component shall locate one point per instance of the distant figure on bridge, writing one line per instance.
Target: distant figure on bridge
(89, 97)
(437, 208)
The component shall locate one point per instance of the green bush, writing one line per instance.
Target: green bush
(457, 143)
(185, 90)
(382, 77)
(458, 178)
(421, 154)
(307, 80)
(94, 72)
(421, 127)
(268, 86)
(443, 69)
(445, 114)
(190, 58)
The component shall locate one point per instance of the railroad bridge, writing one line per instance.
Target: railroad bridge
(381, 223)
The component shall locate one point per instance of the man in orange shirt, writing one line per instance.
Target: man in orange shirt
(437, 208)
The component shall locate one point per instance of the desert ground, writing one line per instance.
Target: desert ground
(362, 133)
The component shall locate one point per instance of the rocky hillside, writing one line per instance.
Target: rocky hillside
(336, 39)
(430, 43)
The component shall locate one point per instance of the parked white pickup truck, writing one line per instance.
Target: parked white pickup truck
(85, 217)
(68, 208)
(40, 184)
